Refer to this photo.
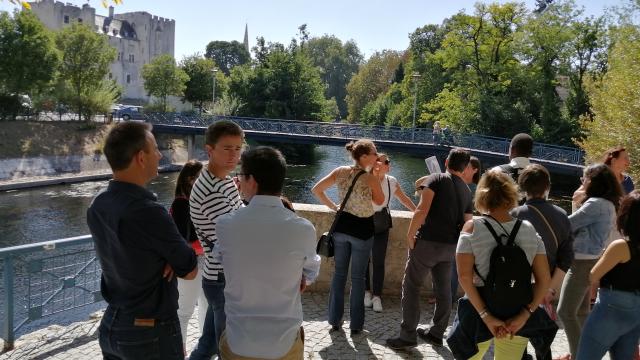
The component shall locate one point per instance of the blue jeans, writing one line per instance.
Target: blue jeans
(214, 322)
(349, 248)
(613, 325)
(120, 338)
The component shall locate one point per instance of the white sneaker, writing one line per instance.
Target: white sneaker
(377, 304)
(367, 299)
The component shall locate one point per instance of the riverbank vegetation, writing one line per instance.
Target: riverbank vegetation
(497, 69)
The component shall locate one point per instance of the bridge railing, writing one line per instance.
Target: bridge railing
(44, 279)
(377, 133)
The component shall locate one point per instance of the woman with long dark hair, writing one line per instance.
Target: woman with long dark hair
(190, 291)
(591, 225)
(614, 322)
(618, 160)
(354, 230)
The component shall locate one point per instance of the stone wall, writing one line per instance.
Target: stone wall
(396, 259)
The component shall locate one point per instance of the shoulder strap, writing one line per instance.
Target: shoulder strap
(388, 188)
(512, 236)
(344, 202)
(555, 238)
(492, 231)
(459, 206)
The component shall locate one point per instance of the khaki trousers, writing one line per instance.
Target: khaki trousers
(296, 352)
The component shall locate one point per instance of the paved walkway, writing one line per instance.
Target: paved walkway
(79, 340)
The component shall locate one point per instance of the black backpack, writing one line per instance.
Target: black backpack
(514, 172)
(507, 288)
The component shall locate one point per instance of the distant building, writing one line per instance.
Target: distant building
(137, 36)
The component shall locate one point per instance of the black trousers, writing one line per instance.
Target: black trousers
(378, 255)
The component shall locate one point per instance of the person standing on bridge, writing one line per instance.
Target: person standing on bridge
(213, 195)
(139, 249)
(354, 230)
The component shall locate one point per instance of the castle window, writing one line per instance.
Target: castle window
(119, 56)
(66, 19)
(79, 20)
(128, 79)
(115, 32)
(110, 76)
(131, 58)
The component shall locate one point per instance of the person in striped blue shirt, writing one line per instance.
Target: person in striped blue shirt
(214, 194)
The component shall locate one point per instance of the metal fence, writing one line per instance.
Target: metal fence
(495, 144)
(44, 279)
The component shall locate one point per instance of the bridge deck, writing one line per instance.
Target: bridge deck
(492, 150)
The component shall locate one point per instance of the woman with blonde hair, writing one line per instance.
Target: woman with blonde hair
(354, 229)
(484, 314)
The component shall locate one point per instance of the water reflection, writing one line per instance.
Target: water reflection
(55, 212)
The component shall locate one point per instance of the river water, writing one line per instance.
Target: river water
(55, 212)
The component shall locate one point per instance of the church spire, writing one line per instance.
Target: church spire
(246, 37)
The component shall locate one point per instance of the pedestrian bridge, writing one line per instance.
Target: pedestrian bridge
(490, 149)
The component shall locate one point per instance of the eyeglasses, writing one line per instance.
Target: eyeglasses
(237, 175)
(387, 162)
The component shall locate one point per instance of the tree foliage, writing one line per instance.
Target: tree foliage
(227, 54)
(24, 42)
(282, 83)
(85, 64)
(163, 78)
(373, 79)
(614, 101)
(337, 62)
(199, 87)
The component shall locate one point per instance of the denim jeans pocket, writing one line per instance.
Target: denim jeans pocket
(144, 347)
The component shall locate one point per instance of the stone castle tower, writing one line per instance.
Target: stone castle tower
(137, 36)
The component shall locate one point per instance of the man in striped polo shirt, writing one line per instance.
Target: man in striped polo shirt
(215, 194)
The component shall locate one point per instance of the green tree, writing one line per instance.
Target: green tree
(199, 88)
(282, 84)
(614, 101)
(227, 54)
(85, 64)
(24, 37)
(373, 79)
(163, 78)
(337, 62)
(545, 42)
(486, 73)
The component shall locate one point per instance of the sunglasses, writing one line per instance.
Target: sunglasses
(386, 162)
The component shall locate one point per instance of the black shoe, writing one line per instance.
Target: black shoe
(335, 328)
(355, 332)
(431, 339)
(399, 344)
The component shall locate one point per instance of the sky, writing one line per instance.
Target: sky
(373, 24)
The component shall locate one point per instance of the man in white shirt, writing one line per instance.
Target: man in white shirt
(520, 150)
(268, 253)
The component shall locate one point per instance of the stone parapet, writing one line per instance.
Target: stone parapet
(321, 217)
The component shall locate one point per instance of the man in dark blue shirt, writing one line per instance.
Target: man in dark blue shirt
(139, 249)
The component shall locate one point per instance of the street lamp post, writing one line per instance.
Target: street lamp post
(416, 76)
(213, 98)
